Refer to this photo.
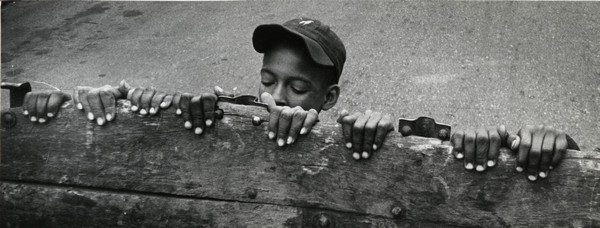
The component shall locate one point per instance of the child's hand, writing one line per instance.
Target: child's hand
(147, 101)
(99, 103)
(364, 132)
(480, 148)
(40, 106)
(540, 149)
(287, 123)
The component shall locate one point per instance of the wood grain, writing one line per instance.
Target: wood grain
(235, 161)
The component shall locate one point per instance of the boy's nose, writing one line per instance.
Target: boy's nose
(279, 96)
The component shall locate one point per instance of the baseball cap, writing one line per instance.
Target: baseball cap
(323, 45)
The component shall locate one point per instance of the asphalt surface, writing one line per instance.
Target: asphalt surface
(469, 64)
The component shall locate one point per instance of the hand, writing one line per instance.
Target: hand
(480, 148)
(364, 132)
(198, 111)
(40, 106)
(147, 100)
(99, 103)
(540, 149)
(286, 123)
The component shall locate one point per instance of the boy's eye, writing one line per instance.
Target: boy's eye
(298, 90)
(267, 83)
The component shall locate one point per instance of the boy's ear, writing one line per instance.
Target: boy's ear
(331, 98)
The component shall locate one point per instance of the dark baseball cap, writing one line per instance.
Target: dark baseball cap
(323, 45)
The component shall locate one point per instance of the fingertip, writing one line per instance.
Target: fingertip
(143, 111)
(100, 121)
(33, 119)
(491, 163)
(356, 156)
(25, 112)
(349, 145)
(532, 177)
(480, 168)
(271, 135)
(303, 131)
(164, 105)
(42, 120)
(208, 122)
(365, 155)
(469, 166)
(543, 174)
(178, 112)
(344, 112)
(198, 130)
(290, 140)
(519, 169)
(374, 147)
(152, 111)
(109, 117)
(79, 106)
(187, 125)
(90, 116)
(515, 143)
(50, 115)
(218, 90)
(280, 142)
(460, 155)
(134, 108)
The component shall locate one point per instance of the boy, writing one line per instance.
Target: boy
(303, 61)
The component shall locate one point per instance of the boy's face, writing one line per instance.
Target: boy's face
(293, 79)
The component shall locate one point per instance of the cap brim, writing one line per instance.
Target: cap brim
(265, 35)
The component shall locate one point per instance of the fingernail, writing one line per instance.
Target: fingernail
(356, 156)
(551, 168)
(469, 166)
(100, 121)
(543, 174)
(208, 123)
(198, 131)
(25, 112)
(42, 120)
(348, 145)
(79, 106)
(219, 89)
(519, 169)
(90, 116)
(33, 119)
(459, 156)
(303, 131)
(50, 114)
(365, 155)
(515, 143)
(290, 140)
(143, 111)
(271, 135)
(178, 112)
(532, 177)
(480, 168)
(163, 104)
(152, 110)
(134, 108)
(187, 125)
(108, 117)
(491, 163)
(374, 147)
(280, 142)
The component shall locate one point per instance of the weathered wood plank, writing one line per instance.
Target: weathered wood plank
(31, 205)
(235, 161)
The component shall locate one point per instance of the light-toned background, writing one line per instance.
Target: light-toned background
(469, 64)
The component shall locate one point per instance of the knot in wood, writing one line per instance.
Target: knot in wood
(252, 193)
(323, 221)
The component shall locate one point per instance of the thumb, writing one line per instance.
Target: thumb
(268, 99)
(513, 142)
(124, 88)
(343, 114)
(220, 92)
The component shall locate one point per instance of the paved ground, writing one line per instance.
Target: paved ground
(465, 63)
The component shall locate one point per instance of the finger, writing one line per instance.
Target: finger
(547, 152)
(166, 101)
(469, 147)
(146, 100)
(209, 101)
(347, 123)
(524, 145)
(358, 134)
(494, 147)
(369, 134)
(83, 98)
(513, 142)
(221, 92)
(311, 119)
(96, 106)
(457, 141)
(32, 106)
(40, 109)
(560, 148)
(297, 121)
(109, 104)
(155, 104)
(26, 99)
(285, 121)
(197, 115)
(482, 146)
(77, 98)
(136, 97)
(503, 133)
(384, 127)
(535, 154)
(184, 105)
(177, 103)
(54, 102)
(274, 113)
